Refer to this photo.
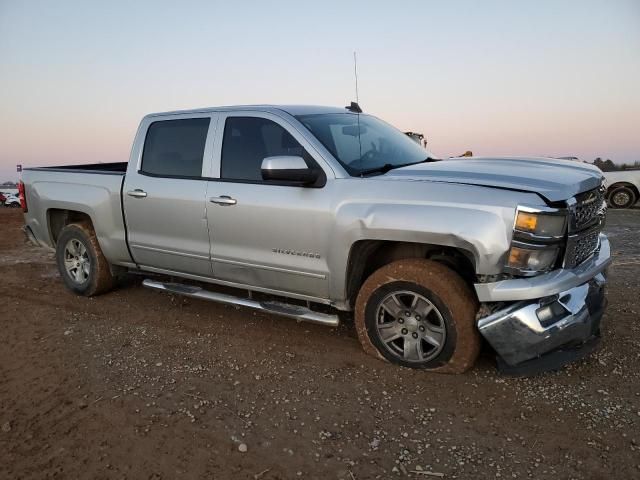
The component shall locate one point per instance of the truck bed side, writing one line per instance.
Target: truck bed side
(55, 194)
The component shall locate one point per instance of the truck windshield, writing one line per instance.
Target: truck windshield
(364, 144)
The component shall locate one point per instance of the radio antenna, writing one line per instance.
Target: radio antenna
(355, 74)
(354, 106)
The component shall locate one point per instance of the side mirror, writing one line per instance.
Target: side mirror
(286, 168)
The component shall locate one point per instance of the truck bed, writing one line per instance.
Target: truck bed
(91, 189)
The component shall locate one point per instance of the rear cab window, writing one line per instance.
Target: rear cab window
(175, 148)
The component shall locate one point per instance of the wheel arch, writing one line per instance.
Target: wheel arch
(367, 256)
(58, 218)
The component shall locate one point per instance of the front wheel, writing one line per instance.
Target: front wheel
(419, 314)
(82, 266)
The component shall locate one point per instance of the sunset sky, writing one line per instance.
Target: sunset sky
(557, 78)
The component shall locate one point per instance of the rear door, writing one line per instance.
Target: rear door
(164, 195)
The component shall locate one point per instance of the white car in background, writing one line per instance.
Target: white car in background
(12, 200)
(623, 188)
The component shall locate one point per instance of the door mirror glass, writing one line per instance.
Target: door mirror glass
(288, 168)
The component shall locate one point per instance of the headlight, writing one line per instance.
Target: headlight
(541, 224)
(532, 259)
(538, 237)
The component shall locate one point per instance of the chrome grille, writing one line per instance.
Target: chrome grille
(581, 246)
(586, 219)
(587, 208)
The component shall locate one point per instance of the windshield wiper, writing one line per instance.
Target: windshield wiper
(381, 169)
(389, 166)
(426, 160)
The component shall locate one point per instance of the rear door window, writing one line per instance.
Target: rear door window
(175, 148)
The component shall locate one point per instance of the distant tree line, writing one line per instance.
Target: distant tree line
(608, 166)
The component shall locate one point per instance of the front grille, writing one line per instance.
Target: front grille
(580, 247)
(586, 220)
(587, 209)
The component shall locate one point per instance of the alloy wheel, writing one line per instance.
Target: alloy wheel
(76, 261)
(410, 326)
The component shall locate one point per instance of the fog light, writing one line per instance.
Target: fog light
(544, 314)
(551, 313)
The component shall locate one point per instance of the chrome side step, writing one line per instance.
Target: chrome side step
(298, 312)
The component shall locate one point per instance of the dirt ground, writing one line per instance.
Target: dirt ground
(138, 384)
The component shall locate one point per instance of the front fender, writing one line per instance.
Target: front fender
(483, 232)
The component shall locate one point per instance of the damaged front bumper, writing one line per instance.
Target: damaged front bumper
(533, 335)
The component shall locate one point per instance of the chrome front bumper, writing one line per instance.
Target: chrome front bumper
(557, 325)
(518, 334)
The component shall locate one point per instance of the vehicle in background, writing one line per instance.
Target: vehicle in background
(333, 210)
(12, 201)
(2, 198)
(623, 188)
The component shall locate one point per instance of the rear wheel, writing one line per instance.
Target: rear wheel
(82, 266)
(420, 314)
(622, 197)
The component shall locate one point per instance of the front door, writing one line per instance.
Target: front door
(165, 196)
(263, 234)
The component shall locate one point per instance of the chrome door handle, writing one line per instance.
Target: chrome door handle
(223, 200)
(137, 193)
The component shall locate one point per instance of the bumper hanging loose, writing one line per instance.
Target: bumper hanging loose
(536, 335)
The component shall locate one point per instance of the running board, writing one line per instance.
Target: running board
(298, 312)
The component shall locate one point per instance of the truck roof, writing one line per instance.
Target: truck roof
(290, 109)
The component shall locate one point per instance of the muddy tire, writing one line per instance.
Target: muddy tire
(420, 314)
(81, 263)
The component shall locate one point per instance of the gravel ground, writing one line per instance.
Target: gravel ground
(137, 384)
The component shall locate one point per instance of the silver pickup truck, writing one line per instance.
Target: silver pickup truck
(308, 212)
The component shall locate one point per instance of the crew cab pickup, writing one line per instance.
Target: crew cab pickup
(308, 212)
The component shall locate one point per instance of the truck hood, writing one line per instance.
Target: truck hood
(555, 180)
